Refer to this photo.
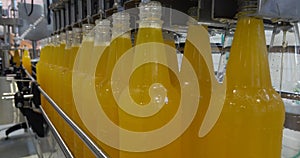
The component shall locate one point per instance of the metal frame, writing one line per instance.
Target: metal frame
(91, 145)
(57, 136)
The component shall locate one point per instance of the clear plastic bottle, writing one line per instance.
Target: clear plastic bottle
(79, 78)
(59, 76)
(53, 90)
(45, 74)
(70, 106)
(146, 77)
(83, 55)
(26, 60)
(69, 135)
(16, 58)
(120, 43)
(170, 41)
(101, 44)
(192, 145)
(60, 68)
(40, 68)
(251, 121)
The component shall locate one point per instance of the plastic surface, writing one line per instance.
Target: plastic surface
(251, 121)
(26, 61)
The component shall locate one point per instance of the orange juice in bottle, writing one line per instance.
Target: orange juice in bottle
(148, 77)
(40, 68)
(47, 74)
(67, 93)
(79, 76)
(251, 121)
(59, 75)
(44, 73)
(69, 103)
(170, 41)
(101, 44)
(56, 91)
(60, 68)
(55, 66)
(119, 44)
(26, 60)
(191, 145)
(16, 58)
(84, 76)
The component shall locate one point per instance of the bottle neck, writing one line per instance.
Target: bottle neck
(248, 65)
(102, 33)
(68, 40)
(120, 31)
(76, 41)
(77, 37)
(150, 23)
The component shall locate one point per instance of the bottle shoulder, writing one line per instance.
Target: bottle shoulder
(253, 99)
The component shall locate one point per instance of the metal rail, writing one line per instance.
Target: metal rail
(95, 149)
(13, 97)
(290, 95)
(91, 145)
(57, 136)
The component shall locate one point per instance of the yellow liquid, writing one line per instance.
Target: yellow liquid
(140, 81)
(192, 145)
(102, 64)
(44, 76)
(40, 69)
(251, 121)
(86, 75)
(26, 61)
(69, 132)
(59, 89)
(16, 58)
(79, 75)
(104, 93)
(47, 80)
(54, 86)
(60, 73)
(78, 146)
(173, 58)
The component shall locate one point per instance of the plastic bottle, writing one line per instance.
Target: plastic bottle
(120, 43)
(251, 121)
(56, 94)
(170, 41)
(76, 42)
(61, 68)
(26, 60)
(146, 77)
(192, 144)
(16, 58)
(67, 93)
(40, 70)
(102, 43)
(45, 74)
(79, 76)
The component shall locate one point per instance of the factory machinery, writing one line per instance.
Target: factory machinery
(56, 19)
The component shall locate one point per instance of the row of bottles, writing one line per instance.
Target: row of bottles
(251, 114)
